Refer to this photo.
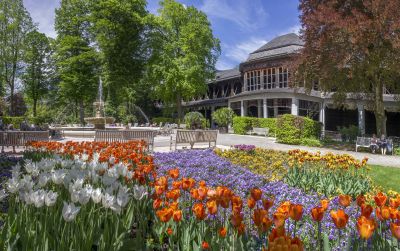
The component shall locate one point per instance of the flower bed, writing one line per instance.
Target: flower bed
(101, 196)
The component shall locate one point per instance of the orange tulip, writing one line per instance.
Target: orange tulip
(258, 215)
(382, 213)
(360, 200)
(266, 224)
(241, 228)
(366, 210)
(279, 219)
(177, 184)
(251, 203)
(340, 218)
(164, 214)
(194, 193)
(317, 213)
(267, 204)
(324, 204)
(344, 200)
(199, 211)
(296, 212)
(395, 228)
(202, 183)
(177, 216)
(188, 183)
(205, 245)
(157, 203)
(394, 202)
(236, 220)
(170, 231)
(222, 232)
(173, 194)
(211, 194)
(256, 194)
(380, 199)
(393, 213)
(276, 233)
(366, 227)
(212, 207)
(202, 192)
(174, 173)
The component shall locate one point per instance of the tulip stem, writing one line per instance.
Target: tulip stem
(294, 230)
(319, 236)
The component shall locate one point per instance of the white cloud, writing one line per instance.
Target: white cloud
(248, 15)
(293, 29)
(239, 52)
(224, 64)
(43, 13)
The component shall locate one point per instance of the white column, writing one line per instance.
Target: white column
(361, 118)
(295, 106)
(265, 110)
(322, 117)
(242, 112)
(259, 108)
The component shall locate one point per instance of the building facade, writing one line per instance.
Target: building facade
(260, 87)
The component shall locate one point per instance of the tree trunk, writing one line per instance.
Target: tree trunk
(179, 106)
(380, 115)
(81, 112)
(12, 106)
(34, 107)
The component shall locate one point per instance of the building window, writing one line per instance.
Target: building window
(258, 80)
(283, 77)
(309, 109)
(284, 106)
(270, 78)
(265, 79)
(248, 81)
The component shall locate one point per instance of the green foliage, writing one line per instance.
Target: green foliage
(163, 120)
(184, 53)
(223, 117)
(44, 115)
(349, 133)
(310, 142)
(37, 75)
(292, 129)
(129, 119)
(194, 120)
(328, 182)
(241, 125)
(15, 121)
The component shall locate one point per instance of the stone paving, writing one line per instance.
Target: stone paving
(225, 141)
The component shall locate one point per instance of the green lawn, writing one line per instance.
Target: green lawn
(386, 177)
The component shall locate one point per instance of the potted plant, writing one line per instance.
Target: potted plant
(223, 117)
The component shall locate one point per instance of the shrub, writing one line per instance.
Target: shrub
(194, 120)
(15, 121)
(292, 129)
(349, 133)
(269, 123)
(241, 125)
(223, 117)
(129, 119)
(311, 142)
(163, 120)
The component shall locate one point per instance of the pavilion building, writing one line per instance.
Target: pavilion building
(260, 87)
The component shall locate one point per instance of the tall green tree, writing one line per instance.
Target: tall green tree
(184, 53)
(352, 47)
(15, 24)
(77, 61)
(37, 72)
(118, 28)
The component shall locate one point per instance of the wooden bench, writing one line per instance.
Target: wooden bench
(260, 131)
(126, 135)
(195, 136)
(21, 138)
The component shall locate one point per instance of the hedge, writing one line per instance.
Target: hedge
(294, 129)
(15, 121)
(241, 125)
(158, 120)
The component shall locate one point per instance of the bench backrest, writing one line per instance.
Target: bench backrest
(260, 129)
(363, 141)
(35, 136)
(146, 135)
(192, 136)
(108, 136)
(21, 138)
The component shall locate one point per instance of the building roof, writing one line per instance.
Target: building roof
(227, 74)
(282, 45)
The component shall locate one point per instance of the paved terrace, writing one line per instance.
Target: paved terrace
(225, 141)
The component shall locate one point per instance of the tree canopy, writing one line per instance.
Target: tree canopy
(185, 52)
(352, 46)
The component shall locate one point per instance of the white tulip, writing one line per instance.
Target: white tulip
(32, 168)
(96, 195)
(77, 185)
(51, 198)
(70, 211)
(38, 198)
(13, 185)
(108, 181)
(26, 183)
(84, 195)
(108, 200)
(75, 196)
(122, 169)
(58, 176)
(122, 198)
(139, 192)
(43, 179)
(3, 194)
(116, 208)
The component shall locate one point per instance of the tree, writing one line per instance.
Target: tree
(36, 78)
(352, 47)
(223, 117)
(184, 53)
(118, 28)
(15, 23)
(77, 61)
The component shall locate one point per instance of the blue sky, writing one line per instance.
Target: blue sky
(241, 25)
